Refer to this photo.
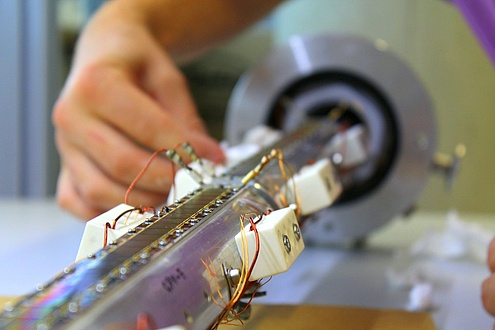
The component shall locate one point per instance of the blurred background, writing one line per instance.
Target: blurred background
(38, 37)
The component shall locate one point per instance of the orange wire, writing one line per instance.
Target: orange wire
(253, 263)
(260, 285)
(148, 208)
(140, 174)
(257, 251)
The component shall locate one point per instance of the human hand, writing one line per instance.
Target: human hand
(488, 287)
(124, 98)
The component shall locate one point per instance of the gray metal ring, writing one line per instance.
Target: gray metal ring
(253, 98)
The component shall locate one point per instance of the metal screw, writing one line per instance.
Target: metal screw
(9, 306)
(207, 297)
(188, 316)
(100, 287)
(337, 158)
(73, 307)
(286, 241)
(297, 231)
(123, 270)
(235, 275)
(69, 270)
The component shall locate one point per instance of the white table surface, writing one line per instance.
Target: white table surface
(37, 240)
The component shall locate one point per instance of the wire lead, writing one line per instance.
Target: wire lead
(177, 160)
(188, 148)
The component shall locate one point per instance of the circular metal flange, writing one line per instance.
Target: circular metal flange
(385, 95)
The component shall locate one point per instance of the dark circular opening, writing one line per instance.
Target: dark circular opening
(347, 100)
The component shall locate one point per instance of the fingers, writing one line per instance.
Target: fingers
(488, 286)
(112, 95)
(121, 102)
(488, 294)
(111, 151)
(69, 199)
(96, 185)
(491, 256)
(102, 156)
(85, 191)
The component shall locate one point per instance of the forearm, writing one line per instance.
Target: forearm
(187, 27)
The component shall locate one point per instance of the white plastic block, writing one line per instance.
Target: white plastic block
(317, 185)
(184, 183)
(351, 145)
(93, 236)
(253, 141)
(262, 136)
(236, 154)
(421, 297)
(280, 243)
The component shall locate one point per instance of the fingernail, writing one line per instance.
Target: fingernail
(216, 155)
